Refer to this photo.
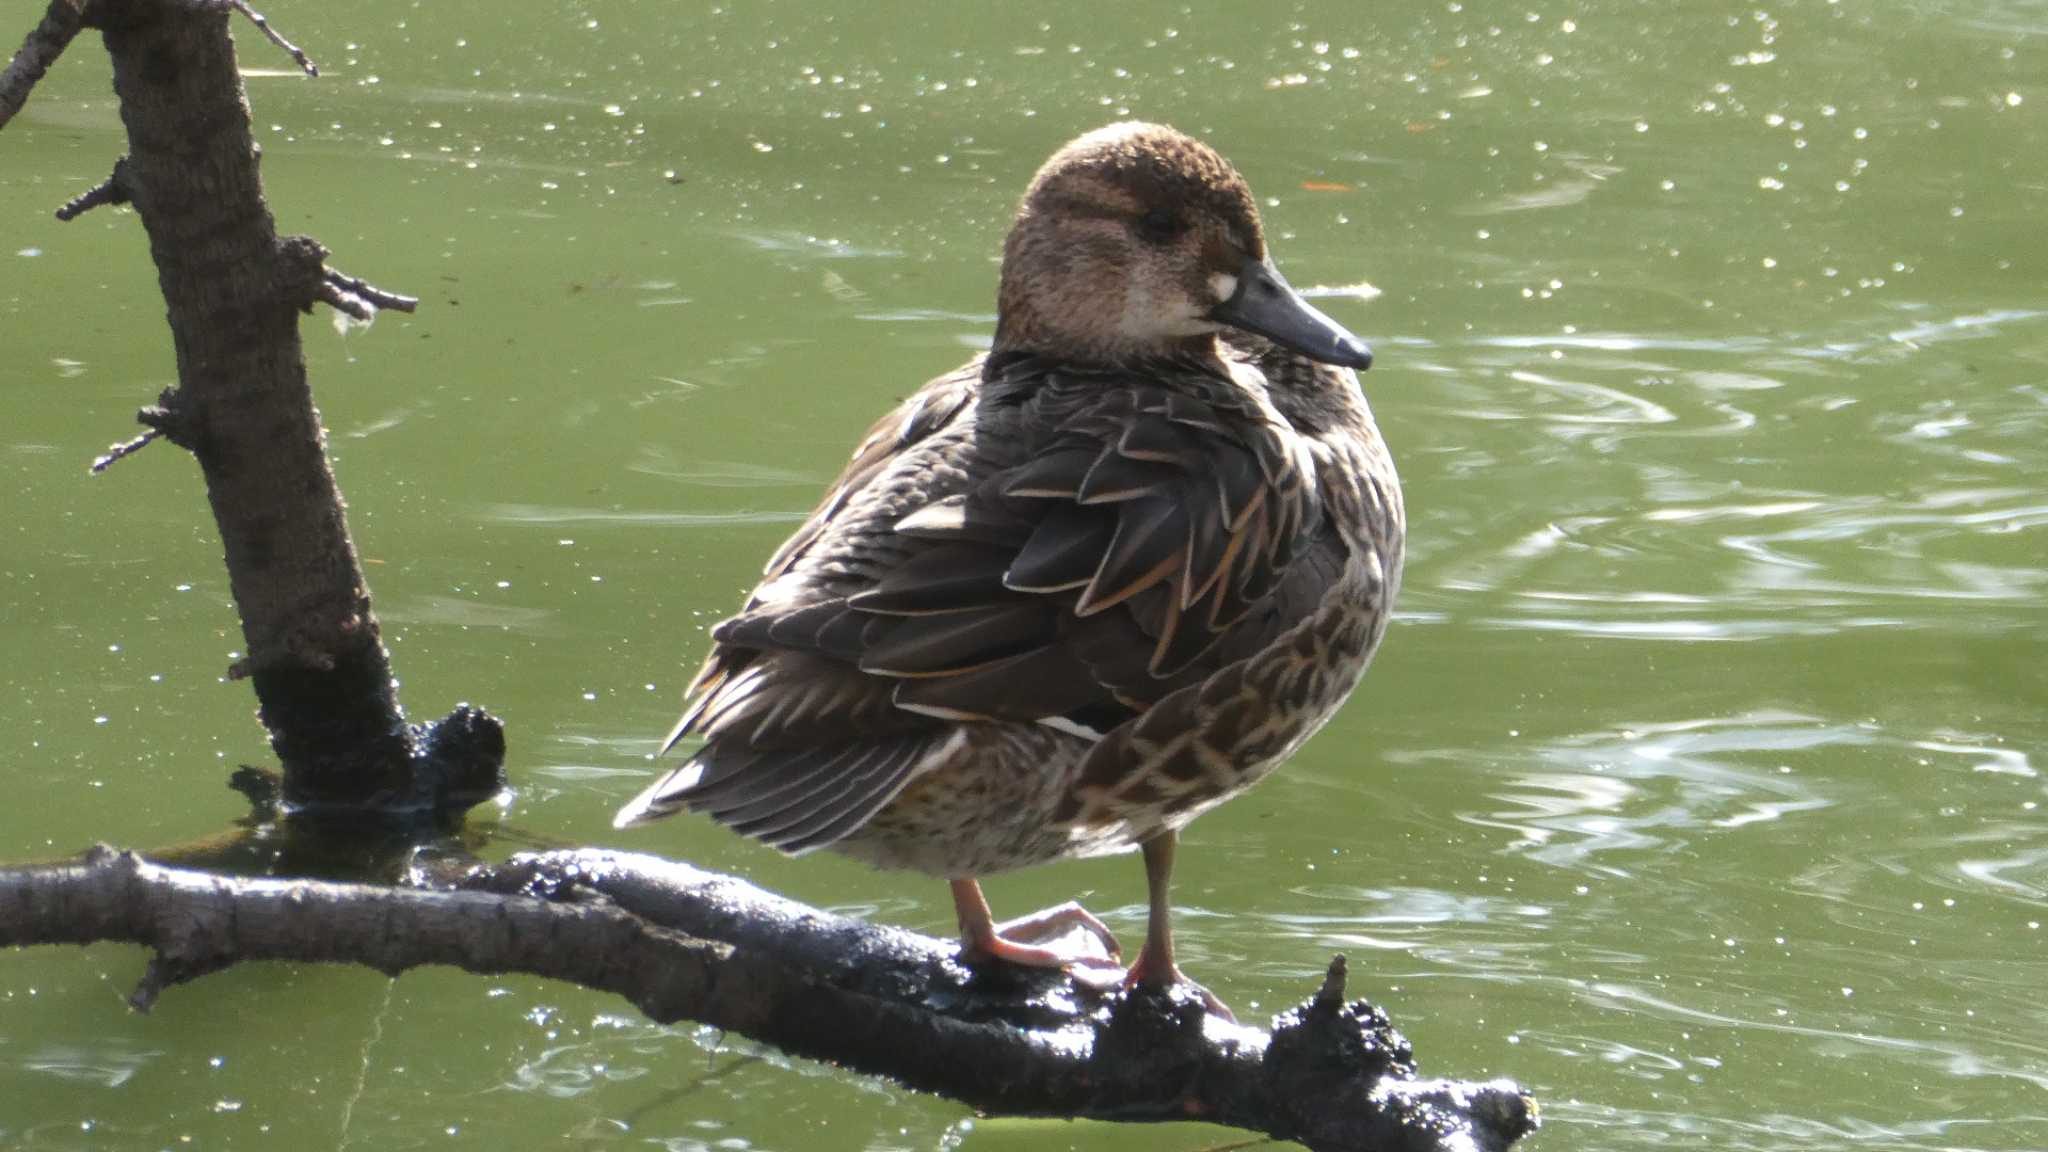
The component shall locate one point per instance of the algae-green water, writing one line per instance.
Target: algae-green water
(1695, 785)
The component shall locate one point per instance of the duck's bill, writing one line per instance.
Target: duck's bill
(1264, 303)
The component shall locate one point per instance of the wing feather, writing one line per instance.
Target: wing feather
(853, 773)
(954, 642)
(1063, 553)
(948, 577)
(875, 788)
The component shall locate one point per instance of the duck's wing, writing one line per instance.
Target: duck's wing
(826, 749)
(1048, 546)
(1123, 553)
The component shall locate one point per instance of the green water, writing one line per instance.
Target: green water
(1694, 787)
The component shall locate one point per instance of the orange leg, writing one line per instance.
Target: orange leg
(1040, 940)
(1154, 967)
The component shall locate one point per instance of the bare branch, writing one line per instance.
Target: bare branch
(321, 674)
(113, 190)
(122, 451)
(305, 64)
(305, 270)
(342, 300)
(359, 298)
(686, 944)
(61, 21)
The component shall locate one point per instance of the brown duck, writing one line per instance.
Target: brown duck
(1080, 590)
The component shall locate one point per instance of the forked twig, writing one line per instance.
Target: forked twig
(360, 298)
(304, 62)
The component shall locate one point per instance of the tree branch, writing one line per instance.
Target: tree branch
(304, 62)
(685, 944)
(112, 190)
(47, 41)
(116, 453)
(233, 290)
(359, 298)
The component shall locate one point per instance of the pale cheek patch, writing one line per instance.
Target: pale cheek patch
(1223, 284)
(1141, 317)
(1147, 317)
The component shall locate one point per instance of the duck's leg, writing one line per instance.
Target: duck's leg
(1036, 940)
(1155, 967)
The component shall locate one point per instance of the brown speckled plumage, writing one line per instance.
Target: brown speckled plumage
(1082, 589)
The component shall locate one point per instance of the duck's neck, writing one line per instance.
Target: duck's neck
(1022, 329)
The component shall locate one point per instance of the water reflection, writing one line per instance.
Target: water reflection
(110, 1063)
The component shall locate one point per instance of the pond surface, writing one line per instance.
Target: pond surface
(1695, 785)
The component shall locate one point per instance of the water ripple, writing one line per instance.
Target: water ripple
(1618, 793)
(1953, 1059)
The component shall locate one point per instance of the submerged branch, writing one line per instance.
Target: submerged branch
(685, 944)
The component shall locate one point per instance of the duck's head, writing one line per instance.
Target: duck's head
(1137, 242)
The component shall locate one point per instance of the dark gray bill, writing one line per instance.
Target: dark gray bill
(1265, 304)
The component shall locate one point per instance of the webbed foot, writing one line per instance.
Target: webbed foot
(1065, 936)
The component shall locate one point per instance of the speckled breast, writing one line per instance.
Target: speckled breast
(1233, 730)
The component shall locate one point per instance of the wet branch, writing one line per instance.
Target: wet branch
(685, 944)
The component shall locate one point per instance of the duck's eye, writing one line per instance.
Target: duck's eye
(1160, 225)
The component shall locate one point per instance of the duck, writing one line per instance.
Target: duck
(1078, 591)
